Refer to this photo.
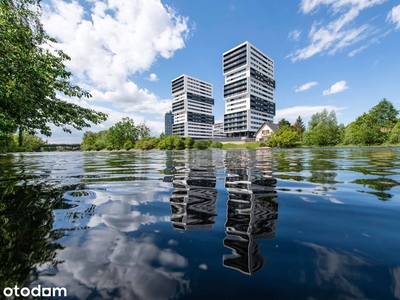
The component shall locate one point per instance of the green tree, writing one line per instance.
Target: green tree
(7, 127)
(189, 142)
(201, 145)
(144, 130)
(88, 141)
(394, 137)
(372, 128)
(299, 125)
(101, 140)
(122, 132)
(283, 122)
(31, 142)
(286, 137)
(171, 142)
(179, 144)
(217, 145)
(323, 130)
(33, 76)
(384, 113)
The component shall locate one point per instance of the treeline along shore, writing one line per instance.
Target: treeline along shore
(380, 126)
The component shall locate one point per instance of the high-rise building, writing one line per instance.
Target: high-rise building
(192, 107)
(218, 130)
(248, 90)
(169, 121)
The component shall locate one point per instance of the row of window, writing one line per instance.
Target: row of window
(198, 81)
(235, 51)
(261, 94)
(269, 60)
(261, 66)
(237, 77)
(261, 84)
(262, 62)
(262, 69)
(237, 108)
(261, 89)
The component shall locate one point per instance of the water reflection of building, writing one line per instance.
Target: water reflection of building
(193, 202)
(252, 210)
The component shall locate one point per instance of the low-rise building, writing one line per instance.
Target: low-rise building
(265, 131)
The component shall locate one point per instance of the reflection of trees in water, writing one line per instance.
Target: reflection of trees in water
(251, 213)
(374, 161)
(26, 229)
(289, 161)
(320, 164)
(29, 200)
(380, 184)
(193, 202)
(26, 221)
(382, 163)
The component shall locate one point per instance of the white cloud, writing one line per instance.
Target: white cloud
(294, 35)
(152, 77)
(394, 16)
(232, 7)
(375, 40)
(338, 87)
(358, 50)
(337, 34)
(292, 113)
(133, 99)
(307, 6)
(58, 136)
(113, 40)
(306, 86)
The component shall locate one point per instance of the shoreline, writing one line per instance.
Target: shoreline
(233, 148)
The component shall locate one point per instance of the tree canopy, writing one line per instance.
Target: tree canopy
(323, 129)
(299, 125)
(374, 127)
(33, 77)
(283, 122)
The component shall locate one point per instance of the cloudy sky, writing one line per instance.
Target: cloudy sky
(336, 54)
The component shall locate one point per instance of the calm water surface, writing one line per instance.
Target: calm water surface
(237, 224)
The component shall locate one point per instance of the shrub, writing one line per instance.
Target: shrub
(217, 145)
(189, 142)
(128, 145)
(201, 145)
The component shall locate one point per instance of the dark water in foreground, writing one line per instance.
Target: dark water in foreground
(238, 224)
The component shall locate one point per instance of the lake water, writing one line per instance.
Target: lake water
(211, 224)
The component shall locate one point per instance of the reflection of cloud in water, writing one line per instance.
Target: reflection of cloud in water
(119, 215)
(396, 282)
(306, 199)
(334, 200)
(133, 193)
(337, 268)
(110, 265)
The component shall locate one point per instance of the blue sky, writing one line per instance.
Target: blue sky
(335, 54)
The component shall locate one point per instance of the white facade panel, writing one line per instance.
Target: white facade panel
(248, 90)
(192, 107)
